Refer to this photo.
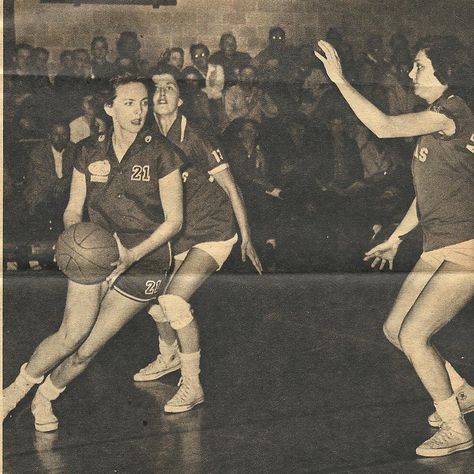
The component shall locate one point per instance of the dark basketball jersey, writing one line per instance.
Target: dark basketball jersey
(208, 213)
(443, 174)
(124, 197)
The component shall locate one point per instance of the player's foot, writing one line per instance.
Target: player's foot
(187, 397)
(465, 397)
(158, 368)
(14, 393)
(42, 410)
(450, 438)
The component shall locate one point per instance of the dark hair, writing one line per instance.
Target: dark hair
(64, 53)
(276, 29)
(23, 46)
(224, 37)
(99, 39)
(198, 46)
(123, 37)
(110, 93)
(58, 122)
(40, 50)
(75, 52)
(164, 68)
(449, 59)
(176, 49)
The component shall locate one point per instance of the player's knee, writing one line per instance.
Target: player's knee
(157, 313)
(82, 357)
(391, 334)
(412, 341)
(68, 341)
(177, 311)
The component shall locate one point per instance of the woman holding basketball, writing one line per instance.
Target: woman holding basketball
(130, 180)
(211, 199)
(442, 282)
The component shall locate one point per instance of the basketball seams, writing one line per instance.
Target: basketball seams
(82, 256)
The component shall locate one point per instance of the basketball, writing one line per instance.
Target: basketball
(85, 252)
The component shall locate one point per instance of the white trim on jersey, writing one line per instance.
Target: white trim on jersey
(184, 123)
(218, 169)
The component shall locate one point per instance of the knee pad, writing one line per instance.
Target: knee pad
(156, 312)
(177, 311)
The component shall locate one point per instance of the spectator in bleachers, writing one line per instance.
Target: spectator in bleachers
(49, 175)
(212, 80)
(173, 57)
(18, 83)
(343, 164)
(250, 168)
(277, 54)
(88, 123)
(66, 64)
(101, 68)
(230, 59)
(196, 105)
(372, 68)
(247, 100)
(128, 51)
(39, 67)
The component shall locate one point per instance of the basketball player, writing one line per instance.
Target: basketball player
(206, 240)
(442, 282)
(130, 179)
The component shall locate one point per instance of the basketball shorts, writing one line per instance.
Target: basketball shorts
(219, 250)
(145, 280)
(461, 254)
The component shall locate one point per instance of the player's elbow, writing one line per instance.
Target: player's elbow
(176, 224)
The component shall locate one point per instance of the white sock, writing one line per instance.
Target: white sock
(449, 410)
(167, 351)
(190, 365)
(24, 380)
(454, 378)
(48, 390)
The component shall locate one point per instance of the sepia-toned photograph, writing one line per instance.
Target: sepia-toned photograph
(238, 236)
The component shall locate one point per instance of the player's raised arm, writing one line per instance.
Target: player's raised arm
(383, 125)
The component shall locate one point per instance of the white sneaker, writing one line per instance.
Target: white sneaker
(42, 410)
(449, 439)
(465, 397)
(187, 397)
(158, 368)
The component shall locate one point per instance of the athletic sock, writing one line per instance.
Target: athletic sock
(24, 381)
(454, 378)
(190, 366)
(48, 390)
(167, 351)
(449, 410)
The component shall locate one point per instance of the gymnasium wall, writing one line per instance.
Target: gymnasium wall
(58, 27)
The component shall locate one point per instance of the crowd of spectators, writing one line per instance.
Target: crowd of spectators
(317, 184)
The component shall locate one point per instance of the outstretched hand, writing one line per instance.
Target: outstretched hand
(383, 253)
(248, 250)
(331, 62)
(126, 259)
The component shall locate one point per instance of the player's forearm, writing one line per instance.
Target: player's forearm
(162, 235)
(71, 217)
(408, 223)
(372, 117)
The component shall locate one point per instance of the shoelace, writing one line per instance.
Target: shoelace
(444, 434)
(43, 409)
(183, 391)
(158, 362)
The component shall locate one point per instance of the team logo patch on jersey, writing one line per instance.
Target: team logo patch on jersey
(99, 171)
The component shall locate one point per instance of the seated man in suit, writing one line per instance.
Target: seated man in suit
(49, 176)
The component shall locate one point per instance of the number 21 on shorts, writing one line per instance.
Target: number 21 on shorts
(152, 286)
